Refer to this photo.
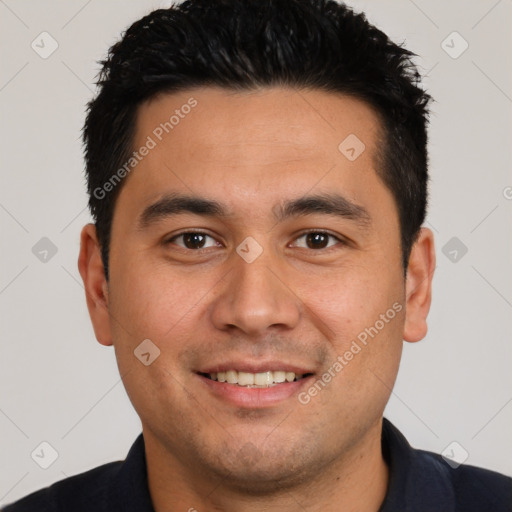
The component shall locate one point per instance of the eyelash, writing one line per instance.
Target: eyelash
(303, 234)
(321, 232)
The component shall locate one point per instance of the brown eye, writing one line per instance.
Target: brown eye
(193, 240)
(316, 240)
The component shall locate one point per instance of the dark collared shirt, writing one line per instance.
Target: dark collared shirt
(420, 481)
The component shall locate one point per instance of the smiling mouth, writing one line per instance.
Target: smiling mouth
(255, 380)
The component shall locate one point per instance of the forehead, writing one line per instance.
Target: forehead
(255, 146)
(286, 118)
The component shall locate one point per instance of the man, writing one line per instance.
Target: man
(257, 173)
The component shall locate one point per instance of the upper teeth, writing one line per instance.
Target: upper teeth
(263, 379)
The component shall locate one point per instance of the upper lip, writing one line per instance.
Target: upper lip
(256, 367)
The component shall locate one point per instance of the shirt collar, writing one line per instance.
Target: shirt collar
(131, 492)
(417, 481)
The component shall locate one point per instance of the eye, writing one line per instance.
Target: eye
(316, 240)
(193, 240)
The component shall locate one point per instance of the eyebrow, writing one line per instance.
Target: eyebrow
(174, 204)
(327, 204)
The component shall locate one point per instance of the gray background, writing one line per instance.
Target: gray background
(60, 386)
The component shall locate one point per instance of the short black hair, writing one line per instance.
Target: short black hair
(249, 44)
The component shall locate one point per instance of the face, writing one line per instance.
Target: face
(248, 241)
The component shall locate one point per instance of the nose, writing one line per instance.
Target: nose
(256, 297)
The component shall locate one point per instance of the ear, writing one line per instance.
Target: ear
(92, 271)
(418, 286)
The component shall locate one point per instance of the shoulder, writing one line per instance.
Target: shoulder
(84, 492)
(116, 486)
(474, 488)
(424, 481)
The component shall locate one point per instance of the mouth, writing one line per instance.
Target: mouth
(253, 384)
(265, 379)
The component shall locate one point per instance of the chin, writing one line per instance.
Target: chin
(252, 472)
(262, 480)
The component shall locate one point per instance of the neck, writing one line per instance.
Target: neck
(357, 481)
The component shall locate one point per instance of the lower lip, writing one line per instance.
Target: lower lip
(254, 397)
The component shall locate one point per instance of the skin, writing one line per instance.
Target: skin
(295, 303)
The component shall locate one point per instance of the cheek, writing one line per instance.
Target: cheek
(349, 300)
(154, 302)
(362, 315)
